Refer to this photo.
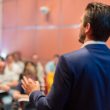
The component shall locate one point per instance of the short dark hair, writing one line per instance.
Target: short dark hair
(98, 15)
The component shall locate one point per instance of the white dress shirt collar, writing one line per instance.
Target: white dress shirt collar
(93, 42)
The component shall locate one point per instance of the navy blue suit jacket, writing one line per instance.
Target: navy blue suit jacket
(81, 82)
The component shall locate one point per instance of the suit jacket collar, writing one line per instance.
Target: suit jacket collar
(97, 47)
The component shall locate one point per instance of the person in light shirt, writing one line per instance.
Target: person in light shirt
(11, 71)
(51, 65)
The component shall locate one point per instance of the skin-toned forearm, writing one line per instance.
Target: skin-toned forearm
(17, 95)
(12, 83)
(4, 87)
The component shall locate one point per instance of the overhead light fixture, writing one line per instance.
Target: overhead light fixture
(44, 10)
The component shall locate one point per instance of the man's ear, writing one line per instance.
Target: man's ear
(88, 28)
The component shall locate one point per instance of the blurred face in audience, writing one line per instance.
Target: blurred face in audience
(17, 56)
(29, 65)
(30, 76)
(10, 59)
(35, 58)
(30, 73)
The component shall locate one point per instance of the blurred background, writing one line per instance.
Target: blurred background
(26, 27)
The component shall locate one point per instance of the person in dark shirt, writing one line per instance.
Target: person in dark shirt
(20, 94)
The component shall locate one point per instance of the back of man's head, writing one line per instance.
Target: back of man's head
(98, 15)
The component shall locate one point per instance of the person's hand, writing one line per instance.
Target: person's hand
(12, 84)
(30, 85)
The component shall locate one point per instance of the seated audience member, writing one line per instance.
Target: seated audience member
(51, 65)
(50, 70)
(5, 97)
(19, 94)
(18, 61)
(11, 71)
(3, 87)
(40, 71)
(49, 81)
(10, 80)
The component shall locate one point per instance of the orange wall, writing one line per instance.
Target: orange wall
(26, 29)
